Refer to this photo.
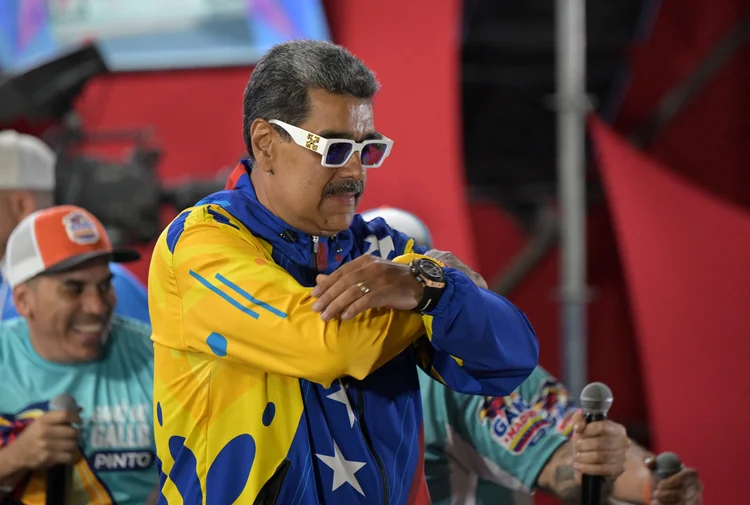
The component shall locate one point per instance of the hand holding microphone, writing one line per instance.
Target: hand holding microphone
(51, 439)
(673, 483)
(599, 445)
(59, 476)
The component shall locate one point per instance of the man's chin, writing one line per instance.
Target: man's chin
(87, 346)
(336, 224)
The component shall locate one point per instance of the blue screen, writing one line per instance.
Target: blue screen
(155, 34)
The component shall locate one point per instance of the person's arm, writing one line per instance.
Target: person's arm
(503, 440)
(49, 440)
(216, 291)
(635, 485)
(629, 487)
(11, 470)
(479, 342)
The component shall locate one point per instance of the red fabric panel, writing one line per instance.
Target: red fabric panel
(686, 259)
(707, 140)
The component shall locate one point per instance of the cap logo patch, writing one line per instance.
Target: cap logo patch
(80, 229)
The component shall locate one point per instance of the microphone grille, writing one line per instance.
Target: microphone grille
(667, 464)
(596, 398)
(63, 402)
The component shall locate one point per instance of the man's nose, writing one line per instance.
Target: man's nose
(94, 303)
(353, 168)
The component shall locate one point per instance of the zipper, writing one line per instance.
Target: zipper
(320, 254)
(315, 240)
(368, 443)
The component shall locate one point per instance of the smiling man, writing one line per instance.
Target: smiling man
(288, 331)
(67, 341)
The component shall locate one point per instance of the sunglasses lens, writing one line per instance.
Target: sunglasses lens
(372, 154)
(338, 153)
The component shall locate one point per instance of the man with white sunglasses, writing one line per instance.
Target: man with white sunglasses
(287, 330)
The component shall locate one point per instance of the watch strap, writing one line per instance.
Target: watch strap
(433, 290)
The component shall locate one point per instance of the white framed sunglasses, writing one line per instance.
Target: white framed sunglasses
(335, 153)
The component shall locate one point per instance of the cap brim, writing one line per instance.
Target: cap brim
(115, 256)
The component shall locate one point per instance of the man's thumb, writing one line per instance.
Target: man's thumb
(650, 463)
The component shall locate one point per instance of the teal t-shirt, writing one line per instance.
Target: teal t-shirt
(117, 441)
(490, 450)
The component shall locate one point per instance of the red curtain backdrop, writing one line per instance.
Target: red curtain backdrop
(686, 259)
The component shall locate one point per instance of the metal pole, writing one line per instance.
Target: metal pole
(572, 103)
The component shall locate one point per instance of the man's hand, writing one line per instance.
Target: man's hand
(683, 488)
(449, 260)
(599, 448)
(48, 441)
(367, 282)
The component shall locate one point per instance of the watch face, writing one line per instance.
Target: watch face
(431, 269)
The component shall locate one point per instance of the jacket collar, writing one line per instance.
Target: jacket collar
(240, 200)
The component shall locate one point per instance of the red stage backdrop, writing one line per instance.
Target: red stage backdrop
(686, 258)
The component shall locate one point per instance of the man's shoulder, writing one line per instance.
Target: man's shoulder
(378, 238)
(208, 217)
(12, 335)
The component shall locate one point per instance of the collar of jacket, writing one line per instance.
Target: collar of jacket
(240, 200)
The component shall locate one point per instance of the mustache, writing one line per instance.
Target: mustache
(346, 187)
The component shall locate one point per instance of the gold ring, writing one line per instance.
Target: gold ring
(363, 288)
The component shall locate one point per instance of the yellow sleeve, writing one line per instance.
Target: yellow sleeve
(215, 290)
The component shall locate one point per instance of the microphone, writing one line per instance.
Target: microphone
(59, 476)
(596, 400)
(666, 465)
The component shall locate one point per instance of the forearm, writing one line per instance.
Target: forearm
(558, 478)
(629, 486)
(492, 338)
(11, 470)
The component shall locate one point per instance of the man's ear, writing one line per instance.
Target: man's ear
(261, 138)
(22, 295)
(21, 203)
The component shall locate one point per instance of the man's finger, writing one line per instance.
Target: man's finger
(341, 302)
(479, 281)
(63, 445)
(606, 470)
(364, 303)
(680, 480)
(600, 458)
(335, 290)
(585, 444)
(61, 432)
(670, 497)
(579, 422)
(604, 428)
(60, 417)
(324, 282)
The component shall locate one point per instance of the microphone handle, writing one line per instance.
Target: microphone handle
(59, 477)
(592, 486)
(58, 484)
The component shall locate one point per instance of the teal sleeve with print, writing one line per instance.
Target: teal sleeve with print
(492, 446)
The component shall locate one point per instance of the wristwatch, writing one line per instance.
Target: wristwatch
(432, 277)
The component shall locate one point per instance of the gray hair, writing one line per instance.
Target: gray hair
(279, 85)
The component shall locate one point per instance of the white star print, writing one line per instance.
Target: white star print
(341, 397)
(384, 246)
(343, 470)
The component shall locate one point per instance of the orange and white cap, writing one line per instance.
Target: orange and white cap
(58, 239)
